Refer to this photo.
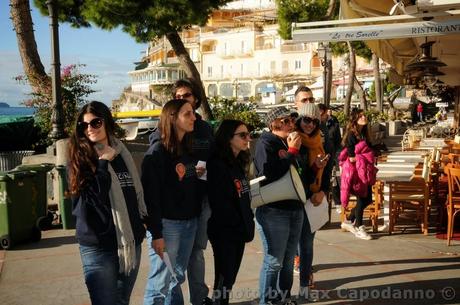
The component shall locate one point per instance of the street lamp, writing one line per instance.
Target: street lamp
(324, 53)
(383, 68)
(342, 71)
(57, 117)
(236, 85)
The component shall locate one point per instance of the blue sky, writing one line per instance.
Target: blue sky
(109, 55)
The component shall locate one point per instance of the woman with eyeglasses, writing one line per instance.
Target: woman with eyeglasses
(279, 222)
(108, 204)
(314, 155)
(231, 224)
(173, 198)
(357, 161)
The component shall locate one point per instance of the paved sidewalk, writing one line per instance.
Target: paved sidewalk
(404, 268)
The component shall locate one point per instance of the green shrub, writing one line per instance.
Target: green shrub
(75, 88)
(224, 108)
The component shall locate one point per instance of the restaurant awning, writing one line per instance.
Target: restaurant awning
(396, 38)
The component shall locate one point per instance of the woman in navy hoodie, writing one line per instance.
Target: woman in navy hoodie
(231, 224)
(173, 196)
(108, 204)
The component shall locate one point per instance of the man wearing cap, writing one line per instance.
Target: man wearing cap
(279, 223)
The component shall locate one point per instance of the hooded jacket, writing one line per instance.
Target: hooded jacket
(272, 159)
(356, 177)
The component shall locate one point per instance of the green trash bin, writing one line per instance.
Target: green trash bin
(18, 208)
(44, 219)
(65, 203)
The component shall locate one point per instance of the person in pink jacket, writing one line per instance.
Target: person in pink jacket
(357, 161)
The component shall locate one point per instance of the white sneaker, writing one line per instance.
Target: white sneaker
(338, 209)
(384, 228)
(348, 226)
(361, 233)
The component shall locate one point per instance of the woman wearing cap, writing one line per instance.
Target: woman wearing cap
(108, 203)
(312, 150)
(357, 160)
(232, 221)
(279, 222)
(173, 198)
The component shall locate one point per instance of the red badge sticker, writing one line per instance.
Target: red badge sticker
(238, 186)
(282, 153)
(180, 170)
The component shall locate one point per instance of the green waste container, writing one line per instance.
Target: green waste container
(40, 182)
(65, 203)
(18, 208)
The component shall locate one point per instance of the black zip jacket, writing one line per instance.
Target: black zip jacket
(230, 202)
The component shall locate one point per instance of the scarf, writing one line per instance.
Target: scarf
(125, 238)
(314, 145)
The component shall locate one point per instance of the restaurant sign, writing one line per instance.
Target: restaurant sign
(378, 31)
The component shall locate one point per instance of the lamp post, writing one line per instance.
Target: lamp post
(324, 53)
(342, 71)
(57, 117)
(236, 85)
(383, 67)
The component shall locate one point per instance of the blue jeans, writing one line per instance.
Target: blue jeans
(161, 288)
(106, 286)
(305, 252)
(279, 232)
(196, 265)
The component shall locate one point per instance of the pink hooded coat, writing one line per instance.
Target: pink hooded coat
(356, 177)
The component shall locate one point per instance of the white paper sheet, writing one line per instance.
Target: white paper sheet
(205, 175)
(317, 215)
(169, 266)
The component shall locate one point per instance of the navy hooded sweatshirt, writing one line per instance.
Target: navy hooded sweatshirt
(272, 160)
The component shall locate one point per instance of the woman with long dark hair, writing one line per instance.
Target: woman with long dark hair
(231, 224)
(357, 160)
(108, 204)
(173, 197)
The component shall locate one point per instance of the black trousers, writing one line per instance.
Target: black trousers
(356, 214)
(227, 260)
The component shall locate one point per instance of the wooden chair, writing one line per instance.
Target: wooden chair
(372, 211)
(415, 193)
(453, 201)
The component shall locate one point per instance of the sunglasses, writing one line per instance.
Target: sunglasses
(184, 96)
(286, 121)
(94, 123)
(308, 99)
(308, 120)
(243, 134)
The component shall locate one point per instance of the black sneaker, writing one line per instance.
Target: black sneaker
(290, 302)
(207, 301)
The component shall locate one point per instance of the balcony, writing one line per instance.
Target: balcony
(244, 53)
(286, 48)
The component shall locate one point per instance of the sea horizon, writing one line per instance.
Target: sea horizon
(16, 111)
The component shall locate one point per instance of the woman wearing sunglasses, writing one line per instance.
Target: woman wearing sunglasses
(359, 173)
(173, 197)
(231, 224)
(108, 204)
(279, 222)
(312, 150)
